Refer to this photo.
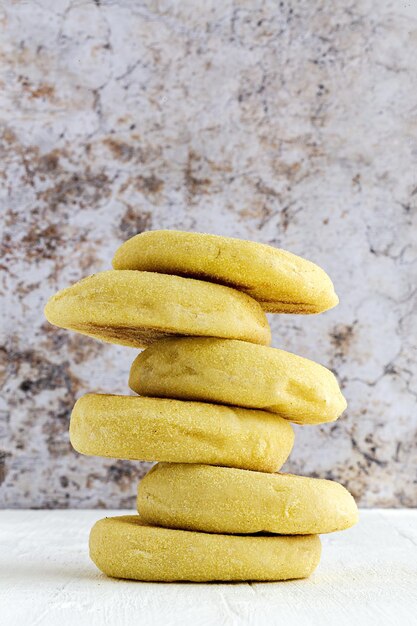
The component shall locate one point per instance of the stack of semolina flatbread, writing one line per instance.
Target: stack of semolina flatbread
(215, 407)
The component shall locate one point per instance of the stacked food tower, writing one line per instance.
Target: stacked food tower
(215, 409)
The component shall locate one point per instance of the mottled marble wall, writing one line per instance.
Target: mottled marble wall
(293, 123)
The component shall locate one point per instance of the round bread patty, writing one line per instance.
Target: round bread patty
(127, 547)
(240, 374)
(226, 500)
(156, 429)
(281, 281)
(137, 308)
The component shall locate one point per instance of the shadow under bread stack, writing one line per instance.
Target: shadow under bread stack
(215, 409)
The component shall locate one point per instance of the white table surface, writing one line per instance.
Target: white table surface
(368, 575)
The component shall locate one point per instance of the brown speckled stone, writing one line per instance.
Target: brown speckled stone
(285, 123)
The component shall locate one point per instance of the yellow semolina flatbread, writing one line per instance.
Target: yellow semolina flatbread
(240, 374)
(281, 281)
(127, 547)
(156, 429)
(137, 308)
(225, 500)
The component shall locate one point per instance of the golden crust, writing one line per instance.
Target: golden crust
(137, 308)
(127, 547)
(281, 281)
(240, 374)
(151, 429)
(225, 500)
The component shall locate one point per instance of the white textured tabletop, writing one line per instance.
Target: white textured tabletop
(368, 575)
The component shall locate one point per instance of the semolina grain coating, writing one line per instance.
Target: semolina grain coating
(240, 374)
(128, 547)
(227, 500)
(157, 429)
(137, 308)
(282, 282)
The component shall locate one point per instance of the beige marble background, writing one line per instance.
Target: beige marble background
(292, 123)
